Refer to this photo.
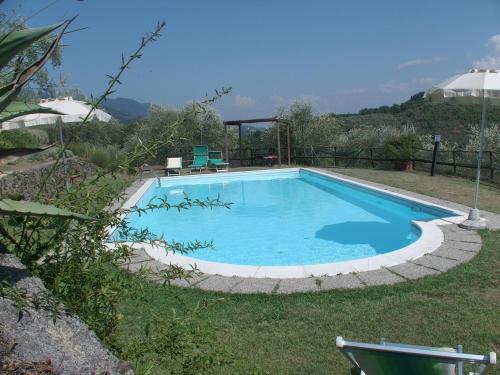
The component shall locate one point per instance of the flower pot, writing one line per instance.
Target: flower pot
(406, 165)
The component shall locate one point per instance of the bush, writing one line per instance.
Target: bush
(101, 157)
(178, 344)
(491, 138)
(80, 149)
(403, 147)
(41, 136)
(95, 132)
(17, 138)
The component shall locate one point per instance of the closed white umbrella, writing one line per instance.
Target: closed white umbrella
(477, 86)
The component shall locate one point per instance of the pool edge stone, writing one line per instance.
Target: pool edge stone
(412, 271)
(381, 276)
(450, 254)
(298, 285)
(437, 263)
(218, 283)
(254, 285)
(348, 281)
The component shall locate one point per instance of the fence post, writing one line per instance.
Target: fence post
(335, 157)
(454, 162)
(492, 170)
(437, 140)
(371, 157)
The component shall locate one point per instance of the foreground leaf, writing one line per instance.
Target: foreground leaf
(10, 207)
(10, 91)
(15, 42)
(17, 109)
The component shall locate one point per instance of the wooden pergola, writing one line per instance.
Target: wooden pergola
(277, 121)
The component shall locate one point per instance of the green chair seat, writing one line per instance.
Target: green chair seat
(216, 161)
(200, 158)
(394, 359)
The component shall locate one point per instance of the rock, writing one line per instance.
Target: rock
(34, 338)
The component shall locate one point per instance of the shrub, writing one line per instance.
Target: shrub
(180, 344)
(80, 149)
(403, 147)
(17, 138)
(101, 157)
(491, 138)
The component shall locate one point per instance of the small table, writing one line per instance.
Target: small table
(270, 159)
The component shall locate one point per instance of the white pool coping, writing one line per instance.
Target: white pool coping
(430, 239)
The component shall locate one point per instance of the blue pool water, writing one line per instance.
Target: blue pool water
(284, 218)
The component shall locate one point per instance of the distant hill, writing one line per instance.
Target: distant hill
(251, 129)
(452, 120)
(126, 110)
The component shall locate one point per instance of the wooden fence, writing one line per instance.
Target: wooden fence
(457, 162)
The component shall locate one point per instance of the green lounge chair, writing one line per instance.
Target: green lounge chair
(200, 158)
(216, 161)
(395, 359)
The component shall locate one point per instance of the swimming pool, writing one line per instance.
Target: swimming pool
(293, 221)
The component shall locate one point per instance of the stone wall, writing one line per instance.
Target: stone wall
(25, 182)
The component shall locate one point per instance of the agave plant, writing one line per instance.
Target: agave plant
(9, 207)
(12, 45)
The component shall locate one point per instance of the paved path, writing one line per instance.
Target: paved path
(459, 246)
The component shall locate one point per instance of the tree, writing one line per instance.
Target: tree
(181, 130)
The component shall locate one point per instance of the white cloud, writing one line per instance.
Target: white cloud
(354, 91)
(390, 87)
(281, 101)
(244, 101)
(416, 62)
(393, 86)
(493, 60)
(490, 62)
(424, 81)
(494, 43)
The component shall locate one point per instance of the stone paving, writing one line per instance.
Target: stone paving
(460, 246)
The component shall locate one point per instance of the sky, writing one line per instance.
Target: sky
(340, 56)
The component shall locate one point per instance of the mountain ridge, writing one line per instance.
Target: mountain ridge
(126, 110)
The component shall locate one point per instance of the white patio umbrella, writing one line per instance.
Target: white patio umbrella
(71, 111)
(478, 86)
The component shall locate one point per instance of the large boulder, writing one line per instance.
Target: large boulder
(32, 340)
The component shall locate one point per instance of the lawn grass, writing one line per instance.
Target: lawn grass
(295, 334)
(454, 189)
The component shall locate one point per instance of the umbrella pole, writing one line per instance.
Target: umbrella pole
(480, 154)
(474, 221)
(65, 165)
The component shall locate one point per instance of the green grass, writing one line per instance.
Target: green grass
(295, 334)
(287, 334)
(454, 189)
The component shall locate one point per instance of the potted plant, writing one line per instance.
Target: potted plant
(402, 149)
